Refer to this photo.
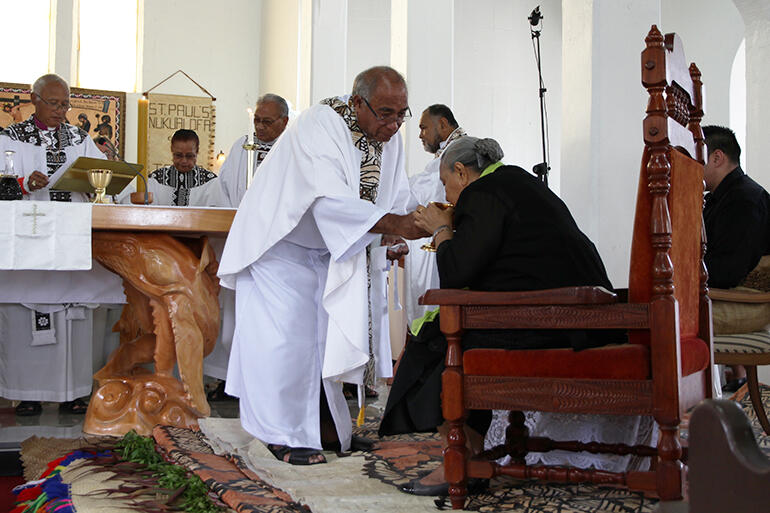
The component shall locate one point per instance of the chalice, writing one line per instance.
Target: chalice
(431, 246)
(99, 180)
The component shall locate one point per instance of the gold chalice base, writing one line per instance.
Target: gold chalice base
(99, 180)
(428, 246)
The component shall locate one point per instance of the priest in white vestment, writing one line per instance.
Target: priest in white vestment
(438, 129)
(306, 260)
(270, 119)
(46, 346)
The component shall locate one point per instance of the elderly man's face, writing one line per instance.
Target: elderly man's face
(52, 105)
(429, 132)
(384, 114)
(184, 154)
(268, 122)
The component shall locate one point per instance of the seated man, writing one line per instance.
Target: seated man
(184, 182)
(507, 232)
(737, 219)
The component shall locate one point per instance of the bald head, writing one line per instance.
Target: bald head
(370, 79)
(380, 100)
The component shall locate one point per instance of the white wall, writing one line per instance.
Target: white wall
(368, 37)
(602, 144)
(711, 31)
(495, 77)
(218, 47)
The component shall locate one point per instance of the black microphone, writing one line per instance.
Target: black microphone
(106, 142)
(535, 17)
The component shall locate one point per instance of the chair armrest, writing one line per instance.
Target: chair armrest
(739, 296)
(560, 296)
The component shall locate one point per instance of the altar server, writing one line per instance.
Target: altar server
(305, 260)
(438, 129)
(270, 119)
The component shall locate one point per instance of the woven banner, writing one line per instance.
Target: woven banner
(169, 113)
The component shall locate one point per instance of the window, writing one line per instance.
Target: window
(26, 34)
(107, 45)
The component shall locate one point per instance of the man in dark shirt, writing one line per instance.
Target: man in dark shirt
(736, 214)
(737, 218)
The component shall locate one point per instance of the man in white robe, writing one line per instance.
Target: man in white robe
(304, 256)
(270, 119)
(438, 128)
(183, 183)
(45, 330)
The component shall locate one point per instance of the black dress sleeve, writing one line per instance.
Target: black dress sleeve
(480, 218)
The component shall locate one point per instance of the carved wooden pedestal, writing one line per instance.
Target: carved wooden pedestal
(171, 317)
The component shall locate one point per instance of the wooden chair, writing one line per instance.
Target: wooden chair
(665, 368)
(747, 349)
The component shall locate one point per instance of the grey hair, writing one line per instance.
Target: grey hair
(278, 100)
(367, 81)
(472, 151)
(50, 78)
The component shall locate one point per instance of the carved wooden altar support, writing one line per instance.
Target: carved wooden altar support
(171, 316)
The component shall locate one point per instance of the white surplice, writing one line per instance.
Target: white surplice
(232, 174)
(59, 371)
(205, 195)
(420, 269)
(296, 256)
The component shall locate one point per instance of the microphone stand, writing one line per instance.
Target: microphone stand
(114, 151)
(541, 169)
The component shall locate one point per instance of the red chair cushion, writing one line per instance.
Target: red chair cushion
(623, 361)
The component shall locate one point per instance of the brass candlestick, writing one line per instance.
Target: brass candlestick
(431, 246)
(99, 180)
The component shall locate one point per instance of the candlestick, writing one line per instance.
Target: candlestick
(141, 149)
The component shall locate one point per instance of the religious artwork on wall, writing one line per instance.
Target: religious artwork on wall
(99, 113)
(168, 113)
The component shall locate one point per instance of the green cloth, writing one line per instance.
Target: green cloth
(432, 314)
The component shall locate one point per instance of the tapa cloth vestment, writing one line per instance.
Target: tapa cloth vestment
(296, 256)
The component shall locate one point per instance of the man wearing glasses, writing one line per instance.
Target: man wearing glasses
(270, 119)
(45, 145)
(56, 368)
(307, 255)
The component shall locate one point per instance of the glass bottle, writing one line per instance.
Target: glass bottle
(10, 189)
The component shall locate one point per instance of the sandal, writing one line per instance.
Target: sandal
(28, 408)
(76, 407)
(296, 455)
(219, 394)
(351, 393)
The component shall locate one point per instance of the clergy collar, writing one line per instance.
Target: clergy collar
(41, 125)
(727, 182)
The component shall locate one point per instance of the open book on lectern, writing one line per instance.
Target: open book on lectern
(75, 178)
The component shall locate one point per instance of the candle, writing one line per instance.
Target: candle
(141, 149)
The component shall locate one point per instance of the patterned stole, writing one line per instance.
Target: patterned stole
(369, 182)
(54, 141)
(456, 134)
(261, 150)
(182, 182)
(371, 160)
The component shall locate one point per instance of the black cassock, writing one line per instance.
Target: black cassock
(511, 233)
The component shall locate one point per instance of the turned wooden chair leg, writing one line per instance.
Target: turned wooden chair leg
(669, 470)
(756, 397)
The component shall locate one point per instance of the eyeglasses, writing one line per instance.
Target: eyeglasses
(266, 122)
(389, 117)
(64, 106)
(188, 156)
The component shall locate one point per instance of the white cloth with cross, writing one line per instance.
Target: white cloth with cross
(45, 235)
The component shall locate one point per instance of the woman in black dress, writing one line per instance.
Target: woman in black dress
(507, 232)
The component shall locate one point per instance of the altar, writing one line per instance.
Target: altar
(164, 258)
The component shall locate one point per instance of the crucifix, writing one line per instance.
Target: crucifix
(34, 214)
